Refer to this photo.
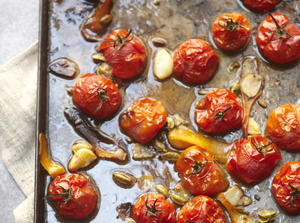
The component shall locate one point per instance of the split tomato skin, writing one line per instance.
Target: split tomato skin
(286, 187)
(143, 119)
(201, 209)
(253, 159)
(275, 48)
(231, 31)
(199, 174)
(96, 96)
(128, 59)
(283, 127)
(261, 5)
(219, 112)
(83, 196)
(195, 62)
(163, 211)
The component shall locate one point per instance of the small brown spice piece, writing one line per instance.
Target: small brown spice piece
(156, 2)
(159, 42)
(262, 103)
(257, 197)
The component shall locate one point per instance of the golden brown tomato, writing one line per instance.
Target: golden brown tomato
(231, 31)
(283, 126)
(143, 119)
(199, 173)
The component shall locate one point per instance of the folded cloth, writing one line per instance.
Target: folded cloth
(18, 80)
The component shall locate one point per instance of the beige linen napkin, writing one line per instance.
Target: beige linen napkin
(18, 80)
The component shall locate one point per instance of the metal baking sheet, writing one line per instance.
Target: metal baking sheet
(176, 21)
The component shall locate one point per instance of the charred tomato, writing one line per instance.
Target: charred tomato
(286, 187)
(283, 126)
(261, 5)
(124, 53)
(143, 119)
(278, 39)
(201, 209)
(153, 207)
(219, 112)
(199, 173)
(231, 31)
(253, 159)
(195, 62)
(73, 196)
(96, 96)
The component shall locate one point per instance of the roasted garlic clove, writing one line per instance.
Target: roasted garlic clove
(162, 64)
(81, 158)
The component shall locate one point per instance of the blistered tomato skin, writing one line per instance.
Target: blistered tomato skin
(219, 112)
(253, 159)
(143, 119)
(286, 187)
(199, 173)
(283, 127)
(153, 207)
(281, 45)
(201, 209)
(125, 54)
(195, 62)
(231, 31)
(261, 5)
(96, 96)
(73, 196)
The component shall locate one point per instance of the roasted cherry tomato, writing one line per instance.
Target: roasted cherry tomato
(286, 187)
(199, 173)
(283, 126)
(195, 62)
(73, 196)
(143, 119)
(219, 112)
(278, 39)
(201, 209)
(231, 31)
(253, 159)
(153, 207)
(124, 53)
(97, 96)
(261, 5)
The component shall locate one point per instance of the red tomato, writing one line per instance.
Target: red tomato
(96, 96)
(279, 41)
(153, 207)
(219, 112)
(283, 126)
(195, 62)
(199, 173)
(231, 31)
(73, 195)
(143, 119)
(253, 159)
(286, 187)
(261, 5)
(201, 209)
(124, 53)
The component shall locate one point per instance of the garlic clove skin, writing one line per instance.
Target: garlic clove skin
(162, 64)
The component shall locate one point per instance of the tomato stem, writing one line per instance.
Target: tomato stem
(280, 31)
(295, 192)
(231, 25)
(66, 194)
(260, 147)
(220, 115)
(121, 41)
(197, 166)
(102, 94)
(151, 210)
